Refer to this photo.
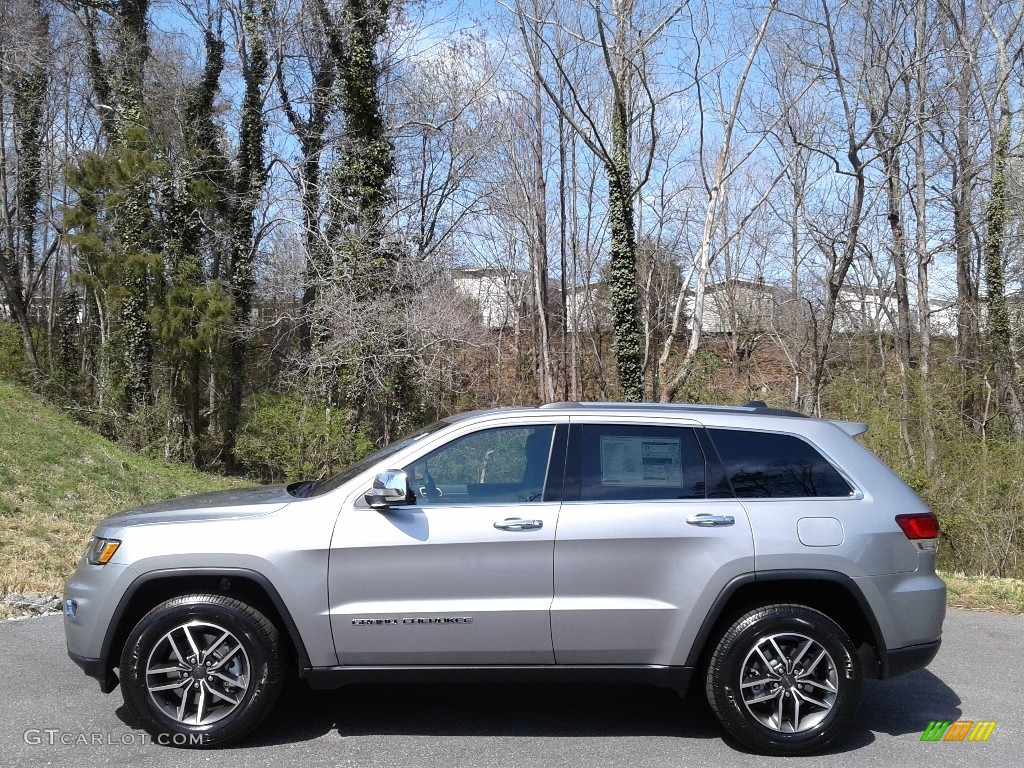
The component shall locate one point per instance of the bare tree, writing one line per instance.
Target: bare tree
(955, 130)
(714, 185)
(617, 40)
(305, 75)
(922, 247)
(834, 205)
(889, 96)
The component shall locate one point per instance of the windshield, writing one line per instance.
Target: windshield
(326, 486)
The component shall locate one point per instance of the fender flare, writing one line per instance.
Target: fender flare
(762, 577)
(108, 681)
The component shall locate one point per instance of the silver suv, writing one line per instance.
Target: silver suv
(764, 554)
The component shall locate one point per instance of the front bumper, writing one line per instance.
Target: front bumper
(95, 668)
(94, 591)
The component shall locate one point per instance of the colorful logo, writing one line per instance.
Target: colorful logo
(958, 730)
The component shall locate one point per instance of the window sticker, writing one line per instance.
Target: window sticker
(652, 462)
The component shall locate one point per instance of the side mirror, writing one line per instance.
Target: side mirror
(390, 489)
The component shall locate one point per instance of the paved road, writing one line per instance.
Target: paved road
(50, 714)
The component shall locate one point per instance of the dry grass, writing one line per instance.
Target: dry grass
(57, 480)
(984, 593)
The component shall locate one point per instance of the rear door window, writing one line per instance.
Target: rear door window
(639, 462)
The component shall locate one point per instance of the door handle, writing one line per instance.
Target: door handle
(708, 520)
(518, 524)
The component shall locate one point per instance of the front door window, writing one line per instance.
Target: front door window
(494, 466)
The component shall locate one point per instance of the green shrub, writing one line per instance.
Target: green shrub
(977, 490)
(13, 365)
(283, 438)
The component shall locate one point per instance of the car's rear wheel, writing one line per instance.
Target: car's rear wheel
(784, 680)
(201, 670)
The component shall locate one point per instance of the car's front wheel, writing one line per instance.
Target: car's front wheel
(201, 670)
(784, 680)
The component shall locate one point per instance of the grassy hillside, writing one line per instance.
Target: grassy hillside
(57, 480)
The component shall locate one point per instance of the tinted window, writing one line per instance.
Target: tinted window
(638, 462)
(767, 465)
(508, 464)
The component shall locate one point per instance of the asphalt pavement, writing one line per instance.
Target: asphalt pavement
(52, 715)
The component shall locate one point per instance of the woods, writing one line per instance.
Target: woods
(266, 235)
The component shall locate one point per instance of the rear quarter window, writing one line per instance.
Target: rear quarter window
(763, 465)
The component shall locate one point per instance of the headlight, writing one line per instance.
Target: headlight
(99, 550)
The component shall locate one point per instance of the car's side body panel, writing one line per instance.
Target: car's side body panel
(287, 548)
(442, 585)
(631, 580)
(447, 580)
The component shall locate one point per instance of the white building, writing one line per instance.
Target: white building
(588, 309)
(735, 306)
(942, 317)
(500, 294)
(862, 309)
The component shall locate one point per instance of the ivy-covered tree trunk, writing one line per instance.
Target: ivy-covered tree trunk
(360, 182)
(627, 342)
(194, 311)
(622, 51)
(999, 330)
(29, 78)
(251, 177)
(119, 85)
(135, 225)
(370, 370)
(29, 102)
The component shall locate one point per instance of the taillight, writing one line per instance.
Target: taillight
(922, 525)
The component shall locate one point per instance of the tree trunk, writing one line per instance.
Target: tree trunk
(999, 330)
(670, 385)
(627, 341)
(930, 447)
(893, 189)
(249, 183)
(539, 254)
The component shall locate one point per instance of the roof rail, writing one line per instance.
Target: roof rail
(760, 406)
(752, 406)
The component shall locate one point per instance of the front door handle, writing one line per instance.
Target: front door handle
(708, 520)
(518, 524)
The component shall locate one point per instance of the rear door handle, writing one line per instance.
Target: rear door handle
(708, 520)
(518, 524)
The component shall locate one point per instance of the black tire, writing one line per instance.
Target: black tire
(201, 670)
(784, 680)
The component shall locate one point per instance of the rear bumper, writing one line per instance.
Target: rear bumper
(899, 661)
